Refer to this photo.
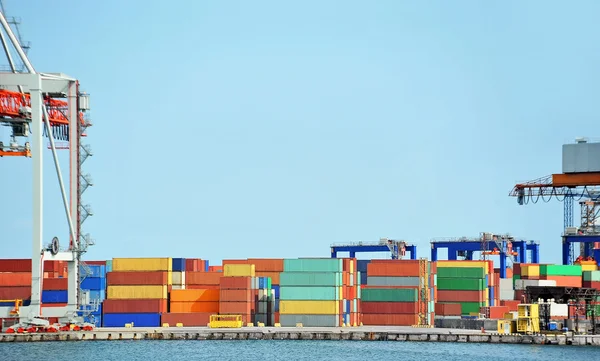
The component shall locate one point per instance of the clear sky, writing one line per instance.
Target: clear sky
(234, 129)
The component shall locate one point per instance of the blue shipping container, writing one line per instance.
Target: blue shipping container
(98, 295)
(12, 304)
(276, 288)
(55, 296)
(206, 266)
(138, 319)
(93, 283)
(276, 308)
(178, 264)
(361, 265)
(363, 278)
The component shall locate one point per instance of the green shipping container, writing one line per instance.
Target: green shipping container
(470, 307)
(461, 272)
(313, 265)
(461, 284)
(331, 279)
(389, 295)
(593, 276)
(309, 293)
(560, 270)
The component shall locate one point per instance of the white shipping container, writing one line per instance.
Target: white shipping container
(506, 284)
(507, 295)
(520, 285)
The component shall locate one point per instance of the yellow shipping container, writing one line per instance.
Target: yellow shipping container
(530, 270)
(142, 264)
(136, 292)
(239, 270)
(589, 267)
(309, 307)
(463, 264)
(351, 266)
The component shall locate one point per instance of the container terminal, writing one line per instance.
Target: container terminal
(57, 294)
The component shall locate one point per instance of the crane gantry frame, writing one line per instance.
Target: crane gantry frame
(33, 104)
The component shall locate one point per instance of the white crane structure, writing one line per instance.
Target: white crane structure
(30, 105)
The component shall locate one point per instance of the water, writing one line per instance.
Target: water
(289, 351)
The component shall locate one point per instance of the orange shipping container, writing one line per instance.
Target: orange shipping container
(461, 296)
(235, 308)
(55, 284)
(398, 268)
(236, 295)
(194, 295)
(203, 278)
(215, 268)
(15, 279)
(565, 281)
(187, 307)
(497, 312)
(203, 287)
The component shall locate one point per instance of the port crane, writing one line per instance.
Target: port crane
(35, 105)
(396, 248)
(567, 187)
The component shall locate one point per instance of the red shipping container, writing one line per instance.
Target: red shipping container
(397, 268)
(389, 319)
(15, 265)
(191, 265)
(497, 312)
(15, 279)
(461, 296)
(227, 295)
(266, 264)
(512, 305)
(215, 268)
(203, 278)
(187, 319)
(591, 284)
(136, 278)
(12, 293)
(134, 306)
(236, 283)
(390, 307)
(235, 308)
(448, 309)
(55, 284)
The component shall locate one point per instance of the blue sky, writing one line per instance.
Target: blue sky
(263, 129)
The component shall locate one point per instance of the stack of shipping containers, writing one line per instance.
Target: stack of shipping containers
(15, 281)
(391, 295)
(137, 291)
(318, 292)
(55, 284)
(94, 284)
(236, 291)
(463, 282)
(192, 307)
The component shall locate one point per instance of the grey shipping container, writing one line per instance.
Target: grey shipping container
(310, 320)
(507, 295)
(392, 281)
(581, 157)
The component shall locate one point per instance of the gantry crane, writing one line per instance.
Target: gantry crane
(32, 105)
(575, 183)
(396, 248)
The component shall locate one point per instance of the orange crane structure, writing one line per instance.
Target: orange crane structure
(580, 177)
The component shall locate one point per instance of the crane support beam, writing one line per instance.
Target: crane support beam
(573, 180)
(569, 240)
(354, 249)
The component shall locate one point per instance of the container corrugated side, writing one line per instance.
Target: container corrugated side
(239, 270)
(466, 284)
(141, 264)
(392, 281)
(193, 307)
(389, 294)
(309, 293)
(138, 319)
(309, 307)
(313, 265)
(461, 272)
(287, 320)
(560, 270)
(310, 279)
(390, 307)
(196, 295)
(93, 283)
(136, 292)
(135, 306)
(55, 296)
(132, 278)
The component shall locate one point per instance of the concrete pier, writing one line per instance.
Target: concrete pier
(366, 333)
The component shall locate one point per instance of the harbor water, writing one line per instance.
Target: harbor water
(289, 350)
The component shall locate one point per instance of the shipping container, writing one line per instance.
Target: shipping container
(461, 296)
(308, 320)
(203, 278)
(192, 307)
(310, 293)
(591, 276)
(313, 265)
(309, 307)
(178, 278)
(136, 292)
(236, 283)
(194, 295)
(135, 306)
(15, 265)
(138, 319)
(466, 284)
(239, 270)
(55, 284)
(139, 278)
(55, 296)
(266, 264)
(461, 272)
(15, 279)
(92, 283)
(389, 295)
(390, 307)
(464, 264)
(243, 308)
(178, 264)
(141, 264)
(186, 319)
(389, 320)
(393, 281)
(94, 270)
(398, 268)
(310, 278)
(560, 270)
(242, 295)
